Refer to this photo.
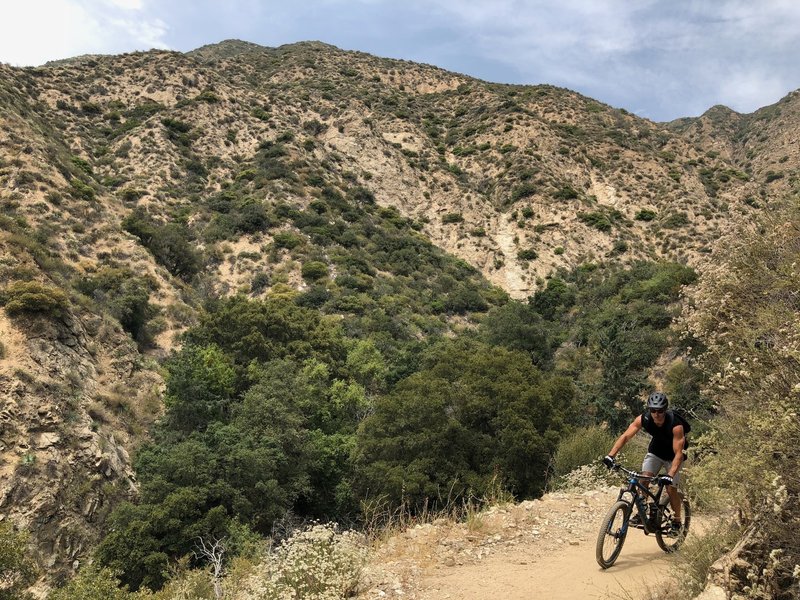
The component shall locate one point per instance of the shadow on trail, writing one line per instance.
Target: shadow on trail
(634, 560)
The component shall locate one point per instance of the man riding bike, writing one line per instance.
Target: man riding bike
(666, 449)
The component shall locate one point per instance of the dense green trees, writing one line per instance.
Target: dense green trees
(92, 583)
(519, 326)
(200, 387)
(611, 325)
(278, 448)
(274, 407)
(472, 415)
(261, 331)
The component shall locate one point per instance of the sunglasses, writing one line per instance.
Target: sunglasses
(657, 411)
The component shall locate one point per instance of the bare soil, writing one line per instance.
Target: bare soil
(537, 549)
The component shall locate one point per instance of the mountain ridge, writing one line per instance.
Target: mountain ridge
(239, 156)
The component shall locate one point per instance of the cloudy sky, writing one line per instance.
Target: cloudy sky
(661, 59)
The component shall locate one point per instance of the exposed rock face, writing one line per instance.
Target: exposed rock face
(64, 461)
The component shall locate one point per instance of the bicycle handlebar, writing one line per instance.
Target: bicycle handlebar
(619, 467)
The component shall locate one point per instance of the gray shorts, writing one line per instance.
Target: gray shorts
(653, 464)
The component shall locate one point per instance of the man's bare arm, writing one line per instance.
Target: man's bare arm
(626, 437)
(678, 439)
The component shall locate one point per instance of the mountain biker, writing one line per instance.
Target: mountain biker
(666, 449)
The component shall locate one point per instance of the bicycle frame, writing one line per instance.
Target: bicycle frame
(639, 493)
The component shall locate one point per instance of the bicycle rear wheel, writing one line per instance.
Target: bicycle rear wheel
(612, 534)
(668, 539)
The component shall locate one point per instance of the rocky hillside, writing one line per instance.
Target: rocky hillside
(134, 187)
(764, 144)
(496, 174)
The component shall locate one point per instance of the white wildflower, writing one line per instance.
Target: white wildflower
(320, 563)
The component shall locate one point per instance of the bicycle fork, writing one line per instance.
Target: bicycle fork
(648, 515)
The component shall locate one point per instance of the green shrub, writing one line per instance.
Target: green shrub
(566, 192)
(598, 220)
(452, 218)
(464, 151)
(90, 108)
(527, 254)
(675, 220)
(82, 164)
(314, 127)
(250, 216)
(207, 96)
(93, 583)
(125, 296)
(34, 297)
(176, 125)
(524, 190)
(361, 195)
(619, 247)
(586, 446)
(260, 282)
(260, 114)
(17, 570)
(464, 299)
(169, 243)
(81, 190)
(287, 239)
(645, 214)
(131, 194)
(314, 270)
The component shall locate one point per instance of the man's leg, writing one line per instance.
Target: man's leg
(675, 497)
(652, 465)
(676, 501)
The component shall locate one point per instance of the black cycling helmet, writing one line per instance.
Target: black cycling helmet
(657, 400)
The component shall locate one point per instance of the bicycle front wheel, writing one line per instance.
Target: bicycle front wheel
(612, 534)
(669, 540)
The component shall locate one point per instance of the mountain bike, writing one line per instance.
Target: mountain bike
(654, 516)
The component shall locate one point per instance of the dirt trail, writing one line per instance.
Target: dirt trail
(567, 574)
(537, 549)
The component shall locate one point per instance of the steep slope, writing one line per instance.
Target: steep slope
(763, 144)
(73, 395)
(498, 175)
(141, 185)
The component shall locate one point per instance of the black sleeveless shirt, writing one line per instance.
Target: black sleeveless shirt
(661, 444)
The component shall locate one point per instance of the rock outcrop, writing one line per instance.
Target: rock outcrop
(64, 439)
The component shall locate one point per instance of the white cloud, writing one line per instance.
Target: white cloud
(676, 58)
(126, 4)
(671, 58)
(746, 90)
(35, 32)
